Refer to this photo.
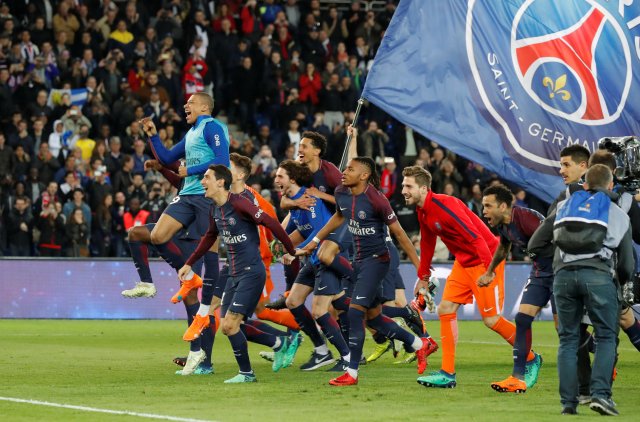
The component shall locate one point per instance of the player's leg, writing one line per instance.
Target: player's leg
(327, 288)
(329, 252)
(280, 316)
(139, 239)
(302, 288)
(631, 326)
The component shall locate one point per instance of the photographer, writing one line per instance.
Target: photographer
(155, 203)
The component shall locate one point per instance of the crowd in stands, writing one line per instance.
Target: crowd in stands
(77, 75)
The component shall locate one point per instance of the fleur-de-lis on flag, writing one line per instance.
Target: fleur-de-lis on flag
(557, 87)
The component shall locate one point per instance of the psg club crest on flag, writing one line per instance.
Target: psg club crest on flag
(509, 84)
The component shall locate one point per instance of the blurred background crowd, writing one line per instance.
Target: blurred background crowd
(77, 75)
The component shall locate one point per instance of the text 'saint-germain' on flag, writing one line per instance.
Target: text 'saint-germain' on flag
(510, 83)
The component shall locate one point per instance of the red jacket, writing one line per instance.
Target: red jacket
(309, 89)
(464, 233)
(139, 220)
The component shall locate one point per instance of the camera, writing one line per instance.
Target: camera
(631, 290)
(626, 150)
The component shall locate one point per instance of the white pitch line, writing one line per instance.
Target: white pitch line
(98, 410)
(501, 343)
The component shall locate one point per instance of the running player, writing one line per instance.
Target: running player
(326, 177)
(366, 212)
(293, 179)
(516, 226)
(236, 219)
(472, 244)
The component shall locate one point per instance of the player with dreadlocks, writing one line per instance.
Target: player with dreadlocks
(366, 211)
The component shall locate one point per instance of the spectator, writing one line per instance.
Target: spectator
(155, 202)
(70, 183)
(114, 158)
(85, 143)
(371, 143)
(33, 187)
(447, 173)
(475, 202)
(246, 91)
(46, 163)
(265, 165)
(19, 227)
(139, 157)
(51, 224)
(194, 71)
(118, 235)
(73, 119)
(331, 101)
(137, 189)
(20, 163)
(65, 22)
(310, 85)
(23, 138)
(6, 154)
(135, 216)
(121, 38)
(77, 231)
(389, 178)
(102, 228)
(77, 201)
(124, 178)
(99, 188)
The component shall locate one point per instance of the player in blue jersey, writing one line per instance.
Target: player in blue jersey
(367, 212)
(515, 226)
(206, 143)
(326, 177)
(236, 220)
(293, 179)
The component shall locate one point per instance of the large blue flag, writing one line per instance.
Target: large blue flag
(510, 83)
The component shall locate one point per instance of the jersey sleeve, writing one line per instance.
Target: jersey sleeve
(337, 193)
(383, 207)
(216, 138)
(332, 174)
(206, 242)
(317, 219)
(258, 216)
(167, 156)
(427, 248)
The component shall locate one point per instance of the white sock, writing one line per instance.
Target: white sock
(417, 344)
(322, 350)
(188, 276)
(353, 373)
(203, 310)
(278, 343)
(347, 357)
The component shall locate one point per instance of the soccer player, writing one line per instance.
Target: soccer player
(198, 361)
(366, 212)
(326, 177)
(211, 296)
(293, 179)
(516, 226)
(236, 220)
(472, 244)
(206, 143)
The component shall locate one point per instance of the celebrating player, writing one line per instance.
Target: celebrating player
(236, 219)
(366, 211)
(472, 244)
(516, 226)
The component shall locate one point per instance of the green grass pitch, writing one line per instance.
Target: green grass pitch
(126, 366)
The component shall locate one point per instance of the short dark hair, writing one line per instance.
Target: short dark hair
(598, 176)
(222, 172)
(374, 178)
(299, 172)
(603, 157)
(577, 153)
(206, 99)
(242, 162)
(317, 140)
(501, 192)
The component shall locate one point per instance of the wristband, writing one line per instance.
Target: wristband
(315, 239)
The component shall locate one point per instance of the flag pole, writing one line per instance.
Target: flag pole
(345, 153)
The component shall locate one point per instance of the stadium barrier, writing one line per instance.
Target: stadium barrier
(90, 289)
